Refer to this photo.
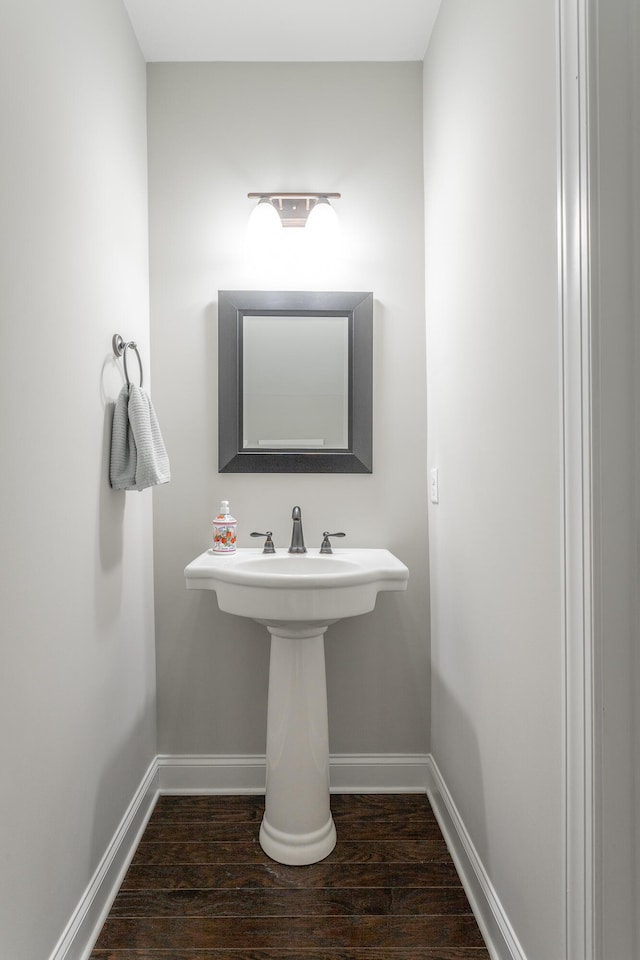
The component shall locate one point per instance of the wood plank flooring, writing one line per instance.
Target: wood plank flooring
(200, 888)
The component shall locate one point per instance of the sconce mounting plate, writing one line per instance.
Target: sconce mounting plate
(293, 208)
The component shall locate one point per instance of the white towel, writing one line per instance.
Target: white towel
(138, 455)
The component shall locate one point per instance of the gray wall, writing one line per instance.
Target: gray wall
(615, 225)
(493, 374)
(77, 705)
(216, 132)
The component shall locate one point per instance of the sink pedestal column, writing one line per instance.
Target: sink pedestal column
(297, 827)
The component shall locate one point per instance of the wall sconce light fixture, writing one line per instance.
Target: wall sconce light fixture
(293, 209)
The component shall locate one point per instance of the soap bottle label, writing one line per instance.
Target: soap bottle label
(224, 535)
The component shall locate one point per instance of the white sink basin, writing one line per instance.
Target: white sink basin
(297, 588)
(297, 596)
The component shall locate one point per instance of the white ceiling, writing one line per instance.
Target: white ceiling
(283, 29)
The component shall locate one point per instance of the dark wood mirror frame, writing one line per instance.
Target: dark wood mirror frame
(233, 306)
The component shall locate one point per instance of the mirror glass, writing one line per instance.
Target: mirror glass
(295, 381)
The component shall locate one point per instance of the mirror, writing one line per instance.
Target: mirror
(295, 382)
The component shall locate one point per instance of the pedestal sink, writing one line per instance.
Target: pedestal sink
(297, 597)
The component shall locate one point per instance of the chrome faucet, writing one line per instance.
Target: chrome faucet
(297, 537)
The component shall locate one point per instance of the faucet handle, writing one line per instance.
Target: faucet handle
(268, 544)
(326, 543)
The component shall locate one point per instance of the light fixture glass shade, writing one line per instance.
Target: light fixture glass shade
(264, 222)
(323, 224)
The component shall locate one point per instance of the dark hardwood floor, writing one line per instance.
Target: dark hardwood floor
(200, 888)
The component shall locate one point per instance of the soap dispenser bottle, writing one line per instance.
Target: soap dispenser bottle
(224, 530)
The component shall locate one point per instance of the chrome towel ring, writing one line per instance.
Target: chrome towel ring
(120, 348)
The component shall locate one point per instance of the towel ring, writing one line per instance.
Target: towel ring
(120, 348)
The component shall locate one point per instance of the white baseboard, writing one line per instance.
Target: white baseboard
(84, 926)
(379, 773)
(498, 933)
(210, 773)
(368, 773)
